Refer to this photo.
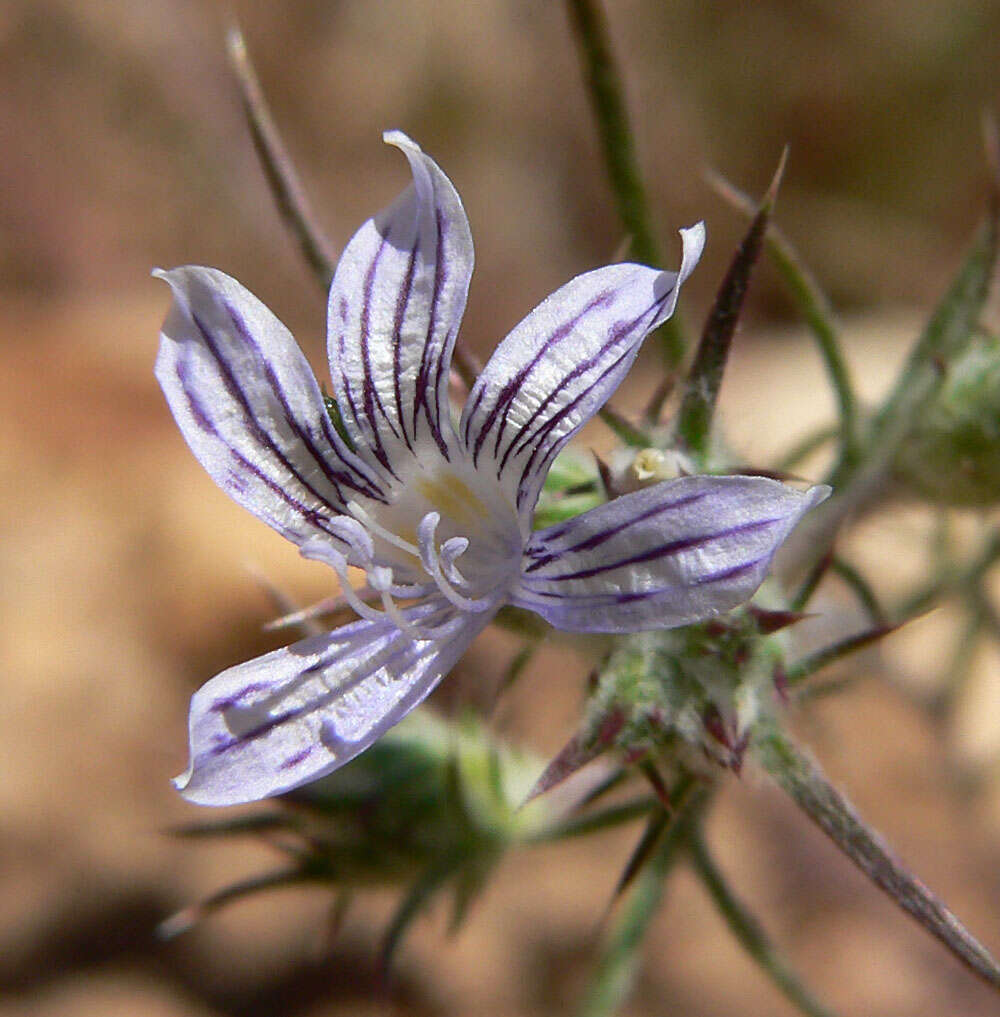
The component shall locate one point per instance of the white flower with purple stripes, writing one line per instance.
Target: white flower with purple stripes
(438, 515)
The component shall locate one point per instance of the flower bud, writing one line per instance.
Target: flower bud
(953, 455)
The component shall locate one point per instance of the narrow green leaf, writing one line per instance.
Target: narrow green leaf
(628, 432)
(813, 662)
(861, 589)
(411, 905)
(188, 917)
(602, 819)
(750, 933)
(806, 784)
(704, 379)
(804, 448)
(814, 307)
(612, 980)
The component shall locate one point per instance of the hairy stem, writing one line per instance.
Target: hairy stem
(807, 785)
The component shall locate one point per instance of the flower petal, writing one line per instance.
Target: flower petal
(668, 555)
(395, 306)
(294, 715)
(249, 406)
(560, 365)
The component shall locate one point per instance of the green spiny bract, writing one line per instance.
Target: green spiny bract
(692, 694)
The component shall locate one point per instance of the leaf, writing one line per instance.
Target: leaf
(701, 389)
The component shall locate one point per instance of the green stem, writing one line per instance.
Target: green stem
(813, 662)
(861, 589)
(807, 785)
(749, 932)
(804, 448)
(626, 431)
(604, 89)
(611, 982)
(593, 822)
(953, 579)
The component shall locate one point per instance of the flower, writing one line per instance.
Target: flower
(438, 515)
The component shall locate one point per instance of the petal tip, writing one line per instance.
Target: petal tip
(401, 140)
(818, 493)
(692, 245)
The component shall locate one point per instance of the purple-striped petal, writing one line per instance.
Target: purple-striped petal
(557, 368)
(395, 306)
(249, 407)
(296, 714)
(668, 555)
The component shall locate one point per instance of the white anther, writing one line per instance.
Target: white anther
(449, 551)
(357, 538)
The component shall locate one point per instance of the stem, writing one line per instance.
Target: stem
(749, 932)
(188, 917)
(282, 179)
(627, 432)
(861, 589)
(604, 89)
(805, 447)
(612, 980)
(807, 785)
(593, 822)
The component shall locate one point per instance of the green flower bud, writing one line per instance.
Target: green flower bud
(953, 456)
(432, 804)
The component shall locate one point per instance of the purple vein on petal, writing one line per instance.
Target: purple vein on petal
(369, 391)
(596, 539)
(663, 551)
(508, 391)
(420, 395)
(335, 477)
(312, 515)
(402, 303)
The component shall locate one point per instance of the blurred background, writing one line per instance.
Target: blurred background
(127, 577)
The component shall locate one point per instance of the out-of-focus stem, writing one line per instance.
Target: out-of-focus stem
(612, 979)
(604, 89)
(749, 932)
(282, 179)
(953, 579)
(809, 665)
(859, 586)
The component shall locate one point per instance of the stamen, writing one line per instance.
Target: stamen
(380, 579)
(374, 527)
(318, 551)
(431, 561)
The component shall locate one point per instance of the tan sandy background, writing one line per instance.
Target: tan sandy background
(123, 571)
